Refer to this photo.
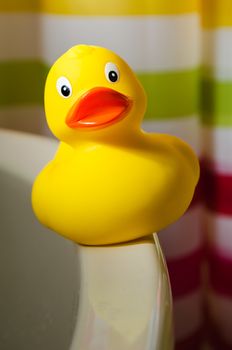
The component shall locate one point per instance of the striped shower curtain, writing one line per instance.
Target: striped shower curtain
(217, 164)
(181, 51)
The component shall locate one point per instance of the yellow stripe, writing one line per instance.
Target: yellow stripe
(102, 7)
(216, 13)
(19, 6)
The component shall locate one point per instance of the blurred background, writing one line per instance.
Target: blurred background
(182, 53)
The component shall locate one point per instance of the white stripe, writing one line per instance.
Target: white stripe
(24, 118)
(158, 43)
(217, 52)
(221, 314)
(184, 236)
(187, 128)
(219, 229)
(188, 315)
(217, 147)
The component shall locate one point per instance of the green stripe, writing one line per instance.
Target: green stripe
(172, 94)
(22, 82)
(216, 102)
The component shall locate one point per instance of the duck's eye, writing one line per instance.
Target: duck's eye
(64, 87)
(111, 72)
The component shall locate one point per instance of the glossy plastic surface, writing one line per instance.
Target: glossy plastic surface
(111, 182)
(125, 299)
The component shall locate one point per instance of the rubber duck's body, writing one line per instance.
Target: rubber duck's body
(110, 181)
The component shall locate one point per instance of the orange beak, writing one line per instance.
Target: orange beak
(97, 108)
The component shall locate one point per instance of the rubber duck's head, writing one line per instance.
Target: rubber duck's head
(92, 93)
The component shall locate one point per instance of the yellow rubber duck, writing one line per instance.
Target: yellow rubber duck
(110, 181)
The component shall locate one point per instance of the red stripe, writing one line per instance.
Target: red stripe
(193, 342)
(185, 273)
(220, 272)
(215, 340)
(197, 197)
(217, 343)
(217, 190)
